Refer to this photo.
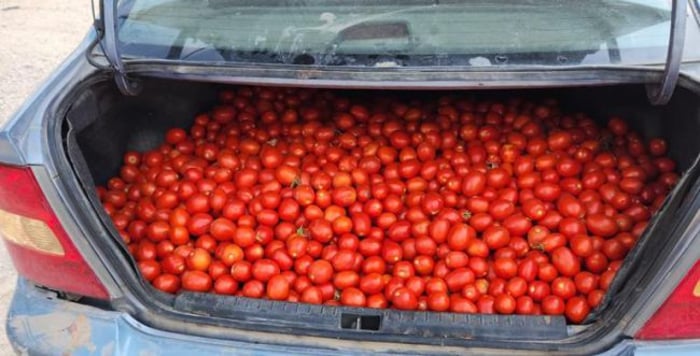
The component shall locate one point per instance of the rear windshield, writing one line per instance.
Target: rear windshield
(398, 32)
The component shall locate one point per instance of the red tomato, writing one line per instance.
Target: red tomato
(404, 299)
(439, 230)
(569, 206)
(553, 305)
(601, 225)
(439, 301)
(287, 175)
(581, 245)
(559, 141)
(538, 290)
(458, 278)
(496, 237)
(497, 178)
(199, 259)
(225, 284)
(534, 209)
(474, 183)
(566, 261)
(595, 297)
(353, 297)
(597, 262)
(657, 147)
(432, 203)
(278, 288)
(320, 272)
(547, 191)
(517, 225)
(311, 295)
(563, 287)
(399, 231)
(253, 289)
(505, 268)
(617, 126)
(516, 286)
(167, 283)
(196, 281)
(504, 304)
(585, 282)
(463, 305)
(459, 236)
(264, 269)
(577, 309)
(199, 224)
(321, 230)
(222, 229)
(501, 209)
(528, 269)
(149, 269)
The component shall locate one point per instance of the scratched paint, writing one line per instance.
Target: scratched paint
(57, 330)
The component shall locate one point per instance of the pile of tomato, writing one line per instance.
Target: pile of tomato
(445, 203)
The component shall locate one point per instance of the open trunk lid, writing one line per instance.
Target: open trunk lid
(420, 35)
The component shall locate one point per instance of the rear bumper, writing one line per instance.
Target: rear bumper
(40, 324)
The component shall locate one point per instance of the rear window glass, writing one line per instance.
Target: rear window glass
(398, 33)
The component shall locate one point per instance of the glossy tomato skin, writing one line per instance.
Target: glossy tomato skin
(505, 267)
(404, 299)
(577, 309)
(496, 237)
(196, 281)
(457, 204)
(538, 290)
(566, 262)
(225, 284)
(320, 272)
(601, 225)
(149, 269)
(167, 283)
(459, 236)
(563, 287)
(278, 288)
(264, 269)
(474, 183)
(505, 304)
(438, 302)
(553, 305)
(353, 297)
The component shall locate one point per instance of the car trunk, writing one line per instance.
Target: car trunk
(101, 125)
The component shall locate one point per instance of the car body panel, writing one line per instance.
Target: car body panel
(41, 323)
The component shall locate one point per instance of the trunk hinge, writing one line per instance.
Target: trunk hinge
(127, 86)
(660, 94)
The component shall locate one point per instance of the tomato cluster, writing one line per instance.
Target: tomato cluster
(442, 204)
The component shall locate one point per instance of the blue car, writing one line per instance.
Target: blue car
(150, 65)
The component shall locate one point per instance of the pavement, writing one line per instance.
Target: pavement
(35, 36)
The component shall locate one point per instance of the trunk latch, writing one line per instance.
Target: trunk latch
(660, 94)
(126, 85)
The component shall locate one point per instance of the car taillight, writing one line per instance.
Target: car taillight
(679, 316)
(39, 246)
